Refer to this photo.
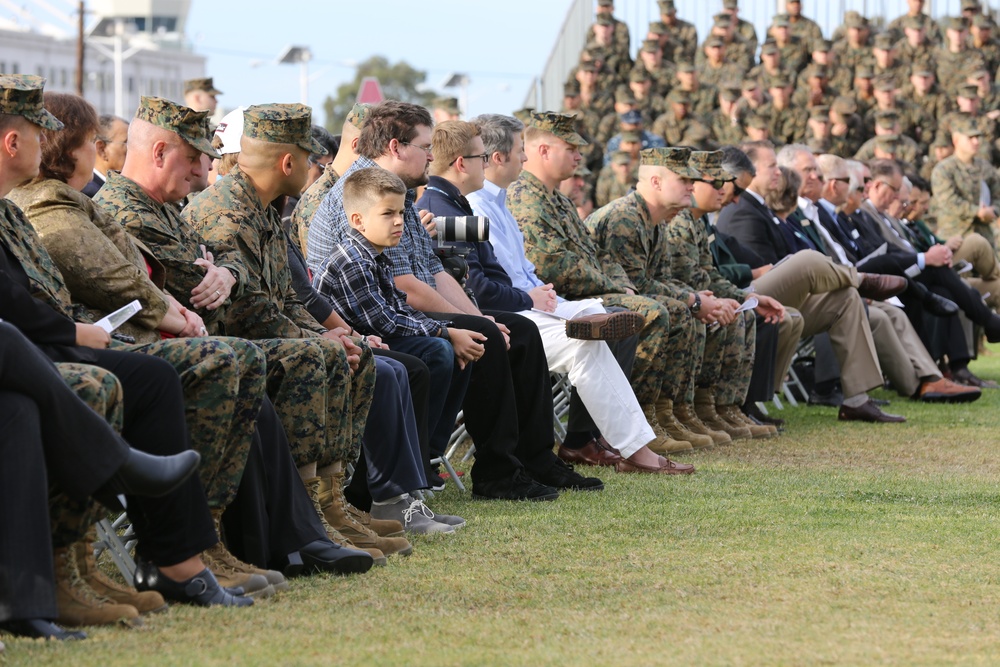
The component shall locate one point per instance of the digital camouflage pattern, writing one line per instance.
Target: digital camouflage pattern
(190, 125)
(282, 124)
(21, 95)
(205, 84)
(562, 125)
(306, 207)
(955, 204)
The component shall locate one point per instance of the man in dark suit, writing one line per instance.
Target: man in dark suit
(112, 146)
(839, 312)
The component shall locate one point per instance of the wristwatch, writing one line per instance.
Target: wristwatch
(696, 306)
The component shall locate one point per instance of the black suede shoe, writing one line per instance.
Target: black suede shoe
(39, 628)
(144, 474)
(518, 487)
(832, 399)
(562, 476)
(202, 589)
(326, 556)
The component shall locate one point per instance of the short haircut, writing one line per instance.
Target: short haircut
(919, 183)
(884, 169)
(80, 122)
(752, 148)
(327, 140)
(830, 164)
(9, 121)
(789, 154)
(498, 132)
(451, 140)
(786, 195)
(107, 122)
(391, 120)
(856, 171)
(736, 162)
(366, 186)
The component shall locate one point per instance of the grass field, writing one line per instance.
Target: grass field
(836, 544)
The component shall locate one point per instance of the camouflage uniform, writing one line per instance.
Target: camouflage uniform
(787, 125)
(705, 98)
(216, 412)
(906, 149)
(610, 188)
(306, 207)
(725, 131)
(805, 29)
(680, 131)
(932, 32)
(233, 220)
(563, 253)
(955, 203)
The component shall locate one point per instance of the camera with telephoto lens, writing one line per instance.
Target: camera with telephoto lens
(462, 228)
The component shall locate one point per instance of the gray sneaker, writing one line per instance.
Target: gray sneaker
(413, 514)
(452, 520)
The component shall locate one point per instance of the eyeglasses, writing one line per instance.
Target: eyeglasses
(737, 190)
(845, 181)
(889, 185)
(427, 149)
(485, 157)
(717, 184)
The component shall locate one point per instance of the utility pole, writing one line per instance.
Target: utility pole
(79, 52)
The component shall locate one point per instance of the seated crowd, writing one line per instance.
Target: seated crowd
(302, 346)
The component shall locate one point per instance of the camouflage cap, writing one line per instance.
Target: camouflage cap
(593, 52)
(970, 4)
(714, 43)
(757, 121)
(781, 21)
(204, 84)
(887, 142)
(678, 96)
(769, 48)
(779, 81)
(587, 66)
(674, 159)
(886, 83)
(621, 157)
(886, 118)
(561, 125)
(954, 23)
(623, 95)
(729, 93)
(638, 75)
(190, 125)
(730, 4)
(864, 72)
(912, 23)
(817, 71)
(941, 140)
(282, 124)
(967, 125)
(921, 69)
(854, 19)
(667, 6)
(883, 41)
(709, 165)
(650, 45)
(821, 112)
(748, 84)
(982, 21)
(21, 95)
(685, 67)
(844, 105)
(571, 88)
(524, 115)
(605, 3)
(822, 46)
(631, 136)
(658, 28)
(604, 19)
(449, 104)
(582, 171)
(967, 90)
(722, 20)
(358, 114)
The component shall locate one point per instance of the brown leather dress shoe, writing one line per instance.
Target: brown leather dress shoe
(946, 391)
(879, 286)
(669, 468)
(594, 453)
(605, 326)
(868, 412)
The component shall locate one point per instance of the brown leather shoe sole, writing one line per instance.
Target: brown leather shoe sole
(605, 326)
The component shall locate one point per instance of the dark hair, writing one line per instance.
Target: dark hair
(80, 121)
(391, 120)
(327, 140)
(884, 168)
(107, 122)
(786, 195)
(752, 147)
(919, 183)
(736, 162)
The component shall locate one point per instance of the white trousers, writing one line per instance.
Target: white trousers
(599, 380)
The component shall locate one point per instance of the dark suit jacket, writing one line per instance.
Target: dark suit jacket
(96, 183)
(754, 226)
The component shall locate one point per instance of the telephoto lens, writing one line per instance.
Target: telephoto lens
(462, 228)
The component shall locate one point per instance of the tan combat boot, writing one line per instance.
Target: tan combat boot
(335, 508)
(146, 602)
(735, 416)
(232, 572)
(79, 604)
(704, 406)
(664, 444)
(676, 430)
(313, 488)
(685, 414)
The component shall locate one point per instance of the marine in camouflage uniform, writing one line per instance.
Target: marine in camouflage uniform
(678, 125)
(560, 247)
(956, 185)
(215, 411)
(682, 33)
(616, 178)
(233, 219)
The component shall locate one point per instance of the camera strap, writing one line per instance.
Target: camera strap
(462, 203)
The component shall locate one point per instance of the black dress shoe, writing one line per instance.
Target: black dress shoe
(937, 305)
(518, 487)
(867, 412)
(326, 556)
(753, 412)
(562, 476)
(39, 628)
(992, 329)
(970, 379)
(202, 589)
(832, 399)
(144, 474)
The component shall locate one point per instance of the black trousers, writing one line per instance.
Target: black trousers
(508, 405)
(46, 435)
(761, 386)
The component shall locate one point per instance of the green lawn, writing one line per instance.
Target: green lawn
(839, 544)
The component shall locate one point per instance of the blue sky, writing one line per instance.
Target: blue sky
(501, 44)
